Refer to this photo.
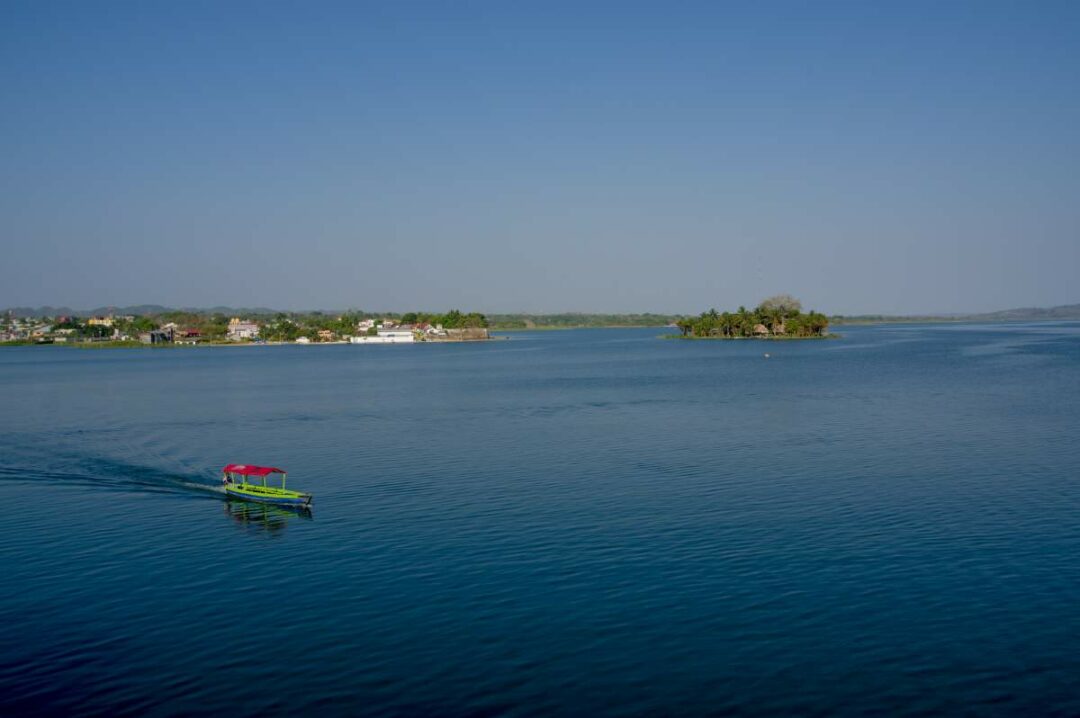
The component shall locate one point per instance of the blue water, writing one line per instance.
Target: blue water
(582, 522)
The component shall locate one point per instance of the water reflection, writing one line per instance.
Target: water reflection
(264, 518)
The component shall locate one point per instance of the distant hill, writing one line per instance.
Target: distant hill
(1065, 311)
(236, 310)
(136, 309)
(23, 312)
(1026, 314)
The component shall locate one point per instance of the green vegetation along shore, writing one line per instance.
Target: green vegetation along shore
(578, 320)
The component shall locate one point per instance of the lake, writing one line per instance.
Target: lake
(577, 522)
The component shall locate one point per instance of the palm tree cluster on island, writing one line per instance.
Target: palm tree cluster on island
(778, 316)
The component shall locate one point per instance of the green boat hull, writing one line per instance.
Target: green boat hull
(268, 495)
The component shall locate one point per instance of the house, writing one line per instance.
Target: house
(325, 335)
(239, 329)
(156, 336)
(303, 340)
(100, 321)
(391, 335)
(396, 335)
(187, 336)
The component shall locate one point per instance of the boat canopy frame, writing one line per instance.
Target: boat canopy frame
(246, 470)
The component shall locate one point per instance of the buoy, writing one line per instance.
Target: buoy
(766, 355)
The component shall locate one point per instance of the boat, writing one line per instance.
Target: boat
(234, 477)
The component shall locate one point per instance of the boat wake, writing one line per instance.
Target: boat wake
(218, 490)
(111, 475)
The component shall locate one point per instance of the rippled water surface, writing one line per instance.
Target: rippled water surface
(583, 522)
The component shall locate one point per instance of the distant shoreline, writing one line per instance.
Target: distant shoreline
(518, 330)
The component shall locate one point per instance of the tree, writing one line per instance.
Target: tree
(784, 303)
(98, 331)
(475, 320)
(143, 324)
(282, 330)
(452, 319)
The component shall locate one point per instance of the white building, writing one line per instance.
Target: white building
(239, 329)
(387, 336)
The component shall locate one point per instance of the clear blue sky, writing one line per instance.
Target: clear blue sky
(505, 156)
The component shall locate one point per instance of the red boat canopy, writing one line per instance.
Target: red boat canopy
(249, 470)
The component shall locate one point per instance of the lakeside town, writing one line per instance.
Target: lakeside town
(191, 329)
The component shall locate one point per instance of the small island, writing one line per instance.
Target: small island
(778, 317)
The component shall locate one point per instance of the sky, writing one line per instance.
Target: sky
(866, 157)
